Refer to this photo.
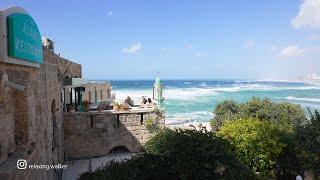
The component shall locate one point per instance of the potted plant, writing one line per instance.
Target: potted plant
(116, 106)
(124, 107)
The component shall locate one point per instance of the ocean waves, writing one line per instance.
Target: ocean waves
(195, 100)
(189, 116)
(135, 94)
(196, 93)
(315, 100)
(187, 94)
(268, 87)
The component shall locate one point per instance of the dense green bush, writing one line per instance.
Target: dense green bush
(179, 154)
(224, 111)
(308, 144)
(197, 154)
(257, 143)
(286, 115)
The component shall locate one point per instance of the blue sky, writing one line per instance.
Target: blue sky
(183, 39)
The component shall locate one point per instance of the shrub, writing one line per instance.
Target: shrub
(152, 125)
(286, 115)
(308, 144)
(179, 154)
(257, 143)
(224, 111)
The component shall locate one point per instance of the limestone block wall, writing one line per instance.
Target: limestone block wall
(92, 134)
(31, 120)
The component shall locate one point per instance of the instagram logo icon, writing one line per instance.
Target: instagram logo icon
(21, 164)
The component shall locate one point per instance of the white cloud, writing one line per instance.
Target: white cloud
(250, 44)
(308, 15)
(315, 37)
(110, 13)
(133, 49)
(296, 51)
(292, 51)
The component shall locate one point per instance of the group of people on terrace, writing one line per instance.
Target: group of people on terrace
(144, 101)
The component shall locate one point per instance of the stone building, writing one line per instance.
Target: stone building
(31, 119)
(95, 92)
(33, 124)
(92, 92)
(77, 90)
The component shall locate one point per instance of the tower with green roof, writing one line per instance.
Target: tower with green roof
(157, 92)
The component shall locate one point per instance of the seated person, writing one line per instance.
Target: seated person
(150, 103)
(144, 100)
(129, 101)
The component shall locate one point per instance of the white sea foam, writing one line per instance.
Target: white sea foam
(184, 120)
(195, 115)
(227, 89)
(262, 87)
(300, 88)
(135, 94)
(190, 94)
(187, 94)
(203, 84)
(316, 100)
(195, 93)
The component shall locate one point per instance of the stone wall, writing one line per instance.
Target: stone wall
(31, 120)
(93, 134)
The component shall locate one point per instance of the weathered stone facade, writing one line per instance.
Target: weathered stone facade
(31, 119)
(93, 134)
(97, 91)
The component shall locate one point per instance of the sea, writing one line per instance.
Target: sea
(195, 100)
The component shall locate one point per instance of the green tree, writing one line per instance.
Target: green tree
(286, 115)
(308, 144)
(179, 154)
(257, 143)
(224, 111)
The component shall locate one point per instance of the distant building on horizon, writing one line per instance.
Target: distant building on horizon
(311, 76)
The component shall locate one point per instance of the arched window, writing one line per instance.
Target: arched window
(119, 149)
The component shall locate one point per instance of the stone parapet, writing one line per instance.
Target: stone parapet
(93, 134)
